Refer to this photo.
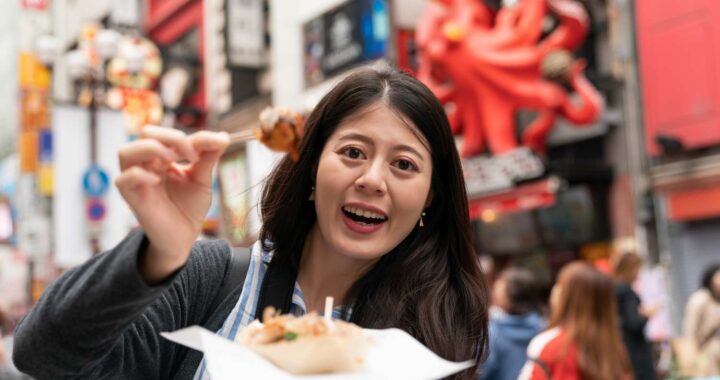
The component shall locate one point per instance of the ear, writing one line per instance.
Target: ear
(429, 199)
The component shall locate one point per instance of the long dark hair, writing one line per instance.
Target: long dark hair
(587, 311)
(430, 284)
(707, 280)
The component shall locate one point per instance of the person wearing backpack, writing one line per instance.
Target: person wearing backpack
(583, 336)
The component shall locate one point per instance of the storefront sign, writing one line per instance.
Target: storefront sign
(46, 179)
(28, 148)
(39, 5)
(530, 196)
(354, 32)
(234, 184)
(245, 33)
(488, 174)
(45, 145)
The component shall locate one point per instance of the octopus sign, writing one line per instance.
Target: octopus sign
(490, 64)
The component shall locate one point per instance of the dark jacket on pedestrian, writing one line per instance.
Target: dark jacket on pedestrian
(632, 325)
(509, 338)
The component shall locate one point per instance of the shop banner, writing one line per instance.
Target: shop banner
(38, 5)
(245, 33)
(349, 34)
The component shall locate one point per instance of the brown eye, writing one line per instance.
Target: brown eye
(353, 153)
(405, 165)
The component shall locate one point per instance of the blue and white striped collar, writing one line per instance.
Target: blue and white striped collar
(244, 311)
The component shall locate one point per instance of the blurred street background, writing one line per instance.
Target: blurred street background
(607, 112)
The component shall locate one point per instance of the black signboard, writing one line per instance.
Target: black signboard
(351, 33)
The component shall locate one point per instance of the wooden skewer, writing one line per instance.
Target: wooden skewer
(328, 309)
(242, 136)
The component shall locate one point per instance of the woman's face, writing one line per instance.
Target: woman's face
(372, 184)
(499, 293)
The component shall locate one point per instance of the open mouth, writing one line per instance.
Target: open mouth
(363, 216)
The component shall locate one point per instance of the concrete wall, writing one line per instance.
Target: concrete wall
(692, 247)
(8, 76)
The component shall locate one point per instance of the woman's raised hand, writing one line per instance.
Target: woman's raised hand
(170, 199)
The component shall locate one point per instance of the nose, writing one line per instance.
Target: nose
(372, 179)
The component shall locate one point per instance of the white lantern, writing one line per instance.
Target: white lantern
(47, 48)
(107, 43)
(134, 56)
(78, 63)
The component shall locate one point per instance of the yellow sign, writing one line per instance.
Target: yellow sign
(28, 148)
(33, 74)
(34, 79)
(46, 179)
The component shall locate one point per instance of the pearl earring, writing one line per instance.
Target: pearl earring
(312, 194)
(421, 219)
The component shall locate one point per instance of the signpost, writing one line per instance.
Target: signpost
(96, 182)
(96, 209)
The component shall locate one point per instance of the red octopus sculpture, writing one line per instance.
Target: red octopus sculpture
(491, 64)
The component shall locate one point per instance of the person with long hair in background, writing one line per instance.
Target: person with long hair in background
(583, 337)
(374, 214)
(633, 315)
(701, 326)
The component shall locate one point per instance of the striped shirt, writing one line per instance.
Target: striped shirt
(244, 311)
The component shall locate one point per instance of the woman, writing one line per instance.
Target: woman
(374, 213)
(583, 338)
(633, 317)
(702, 324)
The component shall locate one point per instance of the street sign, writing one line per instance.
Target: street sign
(96, 209)
(96, 182)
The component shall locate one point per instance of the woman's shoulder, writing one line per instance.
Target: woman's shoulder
(546, 343)
(699, 297)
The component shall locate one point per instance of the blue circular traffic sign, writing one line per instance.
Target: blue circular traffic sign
(96, 182)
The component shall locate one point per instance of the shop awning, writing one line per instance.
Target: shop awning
(691, 188)
(528, 196)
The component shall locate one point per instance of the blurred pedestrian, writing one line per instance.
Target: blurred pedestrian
(633, 315)
(514, 321)
(702, 324)
(583, 340)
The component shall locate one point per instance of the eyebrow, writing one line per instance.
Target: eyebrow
(369, 141)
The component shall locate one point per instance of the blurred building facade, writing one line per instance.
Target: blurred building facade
(678, 69)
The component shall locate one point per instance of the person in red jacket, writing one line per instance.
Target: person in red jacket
(583, 339)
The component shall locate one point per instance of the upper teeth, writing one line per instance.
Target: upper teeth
(363, 213)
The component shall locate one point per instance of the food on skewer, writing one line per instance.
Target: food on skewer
(306, 345)
(280, 130)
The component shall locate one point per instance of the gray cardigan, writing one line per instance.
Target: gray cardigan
(102, 321)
